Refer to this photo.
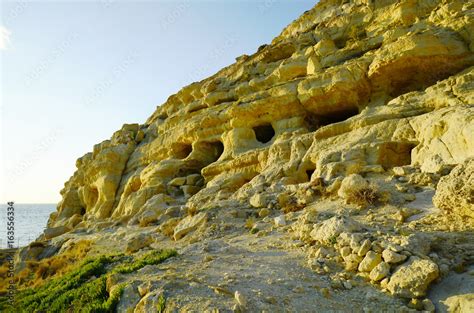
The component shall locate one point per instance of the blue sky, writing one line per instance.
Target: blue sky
(72, 72)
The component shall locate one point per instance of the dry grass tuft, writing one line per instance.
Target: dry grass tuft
(250, 222)
(364, 196)
(37, 272)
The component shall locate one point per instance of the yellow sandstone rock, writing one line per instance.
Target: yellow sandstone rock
(339, 132)
(356, 88)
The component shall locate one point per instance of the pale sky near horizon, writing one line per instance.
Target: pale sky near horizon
(72, 72)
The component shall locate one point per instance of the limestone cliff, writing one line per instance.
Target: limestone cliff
(351, 95)
(359, 87)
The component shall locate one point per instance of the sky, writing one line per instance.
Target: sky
(73, 72)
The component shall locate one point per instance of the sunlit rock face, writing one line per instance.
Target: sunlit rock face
(356, 88)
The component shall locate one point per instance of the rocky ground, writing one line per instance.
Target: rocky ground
(328, 255)
(330, 171)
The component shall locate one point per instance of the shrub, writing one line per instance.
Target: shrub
(250, 222)
(363, 196)
(151, 258)
(83, 289)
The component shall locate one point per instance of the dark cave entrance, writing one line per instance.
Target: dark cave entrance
(264, 133)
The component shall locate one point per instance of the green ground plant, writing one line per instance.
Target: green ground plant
(83, 289)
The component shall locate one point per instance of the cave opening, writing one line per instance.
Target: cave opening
(394, 153)
(216, 148)
(264, 133)
(315, 121)
(182, 150)
(421, 74)
(309, 173)
(338, 116)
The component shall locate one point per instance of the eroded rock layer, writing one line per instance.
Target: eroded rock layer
(354, 88)
(353, 131)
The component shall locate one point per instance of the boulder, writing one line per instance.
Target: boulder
(280, 221)
(178, 181)
(351, 185)
(411, 279)
(139, 242)
(189, 224)
(370, 261)
(55, 231)
(193, 179)
(380, 271)
(259, 200)
(327, 232)
(455, 192)
(460, 303)
(392, 257)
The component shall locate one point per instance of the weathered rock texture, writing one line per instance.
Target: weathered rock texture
(455, 191)
(357, 87)
(340, 134)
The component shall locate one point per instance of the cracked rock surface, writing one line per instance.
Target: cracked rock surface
(330, 171)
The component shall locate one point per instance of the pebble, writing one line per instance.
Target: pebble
(240, 298)
(416, 304)
(380, 271)
(347, 285)
(280, 221)
(325, 292)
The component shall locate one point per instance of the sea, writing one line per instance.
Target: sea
(30, 221)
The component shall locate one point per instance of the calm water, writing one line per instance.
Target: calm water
(30, 221)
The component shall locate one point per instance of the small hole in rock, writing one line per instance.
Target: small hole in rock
(340, 43)
(163, 116)
(309, 173)
(264, 133)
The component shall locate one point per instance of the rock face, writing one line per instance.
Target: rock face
(332, 140)
(344, 89)
(455, 191)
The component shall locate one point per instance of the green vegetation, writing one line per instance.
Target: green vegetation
(161, 304)
(84, 289)
(152, 258)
